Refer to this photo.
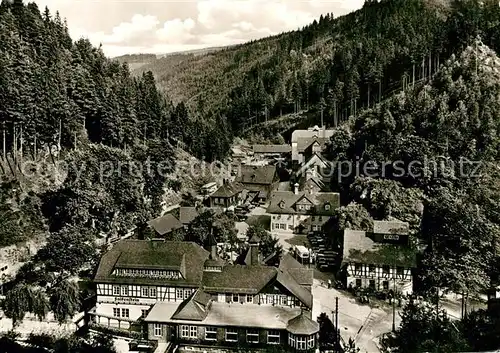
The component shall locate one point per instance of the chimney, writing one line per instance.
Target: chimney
(212, 245)
(254, 250)
(296, 189)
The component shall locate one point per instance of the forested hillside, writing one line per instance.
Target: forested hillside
(338, 65)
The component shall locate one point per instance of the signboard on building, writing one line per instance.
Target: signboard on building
(126, 300)
(397, 239)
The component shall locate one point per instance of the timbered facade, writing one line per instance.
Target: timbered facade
(173, 286)
(379, 260)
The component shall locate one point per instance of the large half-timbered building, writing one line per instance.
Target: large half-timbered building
(186, 296)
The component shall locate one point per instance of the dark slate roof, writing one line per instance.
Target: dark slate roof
(304, 143)
(165, 224)
(283, 202)
(239, 278)
(195, 308)
(360, 248)
(287, 281)
(391, 227)
(162, 254)
(187, 214)
(316, 160)
(302, 325)
(272, 148)
(302, 275)
(257, 175)
(228, 190)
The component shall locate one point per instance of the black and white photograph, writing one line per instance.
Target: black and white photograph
(249, 176)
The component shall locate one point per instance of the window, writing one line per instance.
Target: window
(125, 291)
(144, 313)
(357, 267)
(310, 342)
(400, 271)
(116, 312)
(152, 292)
(358, 282)
(385, 269)
(179, 294)
(116, 290)
(249, 299)
(145, 291)
(125, 313)
(273, 337)
(327, 207)
(301, 342)
(313, 218)
(320, 218)
(236, 298)
(158, 332)
(211, 333)
(189, 331)
(231, 335)
(291, 340)
(187, 293)
(283, 226)
(252, 336)
(371, 268)
(290, 227)
(283, 300)
(372, 284)
(385, 284)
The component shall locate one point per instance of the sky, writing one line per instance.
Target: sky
(164, 26)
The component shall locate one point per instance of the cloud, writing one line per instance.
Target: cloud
(189, 24)
(176, 31)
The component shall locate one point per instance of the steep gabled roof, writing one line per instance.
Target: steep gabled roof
(239, 279)
(302, 275)
(188, 256)
(194, 308)
(316, 160)
(287, 281)
(228, 190)
(257, 175)
(187, 214)
(165, 224)
(360, 248)
(283, 202)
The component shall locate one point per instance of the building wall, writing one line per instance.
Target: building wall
(134, 298)
(293, 221)
(270, 299)
(380, 279)
(220, 337)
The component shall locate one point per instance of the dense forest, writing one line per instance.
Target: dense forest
(335, 65)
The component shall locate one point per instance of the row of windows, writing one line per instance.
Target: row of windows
(121, 312)
(277, 226)
(148, 292)
(230, 335)
(276, 299)
(385, 269)
(147, 273)
(301, 342)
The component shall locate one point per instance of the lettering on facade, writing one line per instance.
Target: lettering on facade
(391, 237)
(126, 300)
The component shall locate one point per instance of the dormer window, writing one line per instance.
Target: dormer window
(327, 207)
(282, 204)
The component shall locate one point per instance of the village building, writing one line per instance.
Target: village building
(271, 151)
(382, 260)
(187, 297)
(187, 215)
(258, 180)
(315, 174)
(308, 142)
(301, 211)
(165, 224)
(229, 194)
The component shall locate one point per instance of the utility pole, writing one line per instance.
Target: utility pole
(394, 290)
(337, 335)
